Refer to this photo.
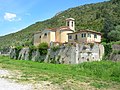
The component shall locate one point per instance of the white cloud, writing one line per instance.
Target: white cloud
(11, 17)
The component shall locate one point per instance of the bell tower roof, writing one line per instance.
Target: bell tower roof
(69, 19)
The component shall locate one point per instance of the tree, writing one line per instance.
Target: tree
(108, 26)
(114, 35)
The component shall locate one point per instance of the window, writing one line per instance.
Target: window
(68, 23)
(40, 36)
(75, 37)
(89, 35)
(45, 34)
(82, 35)
(72, 23)
(70, 37)
(95, 35)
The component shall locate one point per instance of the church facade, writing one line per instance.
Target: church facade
(66, 34)
(56, 35)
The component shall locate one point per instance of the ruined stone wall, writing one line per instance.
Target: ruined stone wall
(67, 54)
(76, 54)
(115, 54)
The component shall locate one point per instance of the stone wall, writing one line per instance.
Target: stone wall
(76, 54)
(68, 54)
(115, 54)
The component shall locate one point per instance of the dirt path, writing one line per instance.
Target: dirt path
(8, 84)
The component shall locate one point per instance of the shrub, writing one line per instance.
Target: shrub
(116, 52)
(43, 48)
(55, 48)
(108, 50)
(18, 48)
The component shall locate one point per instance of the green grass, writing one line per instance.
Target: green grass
(100, 72)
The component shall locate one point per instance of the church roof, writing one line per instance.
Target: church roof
(51, 29)
(87, 31)
(37, 32)
(64, 28)
(70, 19)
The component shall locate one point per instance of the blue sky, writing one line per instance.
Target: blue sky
(18, 14)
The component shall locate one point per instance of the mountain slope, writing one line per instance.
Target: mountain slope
(101, 17)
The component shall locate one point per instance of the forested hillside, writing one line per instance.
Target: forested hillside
(103, 17)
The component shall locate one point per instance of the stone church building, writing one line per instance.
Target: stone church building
(56, 35)
(66, 34)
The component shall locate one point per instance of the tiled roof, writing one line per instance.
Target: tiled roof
(70, 19)
(51, 29)
(87, 30)
(55, 29)
(37, 32)
(64, 28)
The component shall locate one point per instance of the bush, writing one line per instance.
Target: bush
(43, 48)
(108, 50)
(55, 48)
(116, 52)
(18, 48)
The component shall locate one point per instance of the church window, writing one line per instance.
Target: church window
(72, 23)
(70, 37)
(84, 34)
(76, 37)
(67, 23)
(45, 34)
(89, 35)
(95, 35)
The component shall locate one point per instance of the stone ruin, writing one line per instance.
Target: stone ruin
(76, 54)
(64, 54)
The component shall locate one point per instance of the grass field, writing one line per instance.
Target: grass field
(103, 74)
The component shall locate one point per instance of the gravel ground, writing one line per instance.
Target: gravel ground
(8, 84)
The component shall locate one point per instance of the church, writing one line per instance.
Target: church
(56, 35)
(66, 34)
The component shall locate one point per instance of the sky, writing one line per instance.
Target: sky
(18, 14)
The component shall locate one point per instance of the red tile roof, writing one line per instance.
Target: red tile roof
(87, 31)
(37, 32)
(64, 28)
(51, 29)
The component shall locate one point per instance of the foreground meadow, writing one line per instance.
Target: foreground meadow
(103, 75)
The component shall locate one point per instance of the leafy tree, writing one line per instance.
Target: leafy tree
(108, 26)
(114, 35)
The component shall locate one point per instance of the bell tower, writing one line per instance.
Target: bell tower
(70, 22)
